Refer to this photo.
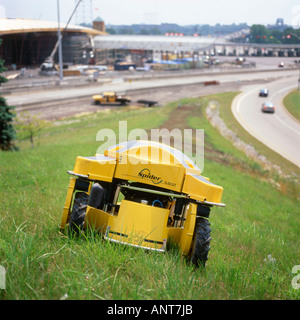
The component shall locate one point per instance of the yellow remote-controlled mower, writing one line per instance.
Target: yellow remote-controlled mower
(143, 194)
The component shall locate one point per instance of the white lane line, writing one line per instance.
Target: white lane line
(287, 89)
(284, 123)
(235, 107)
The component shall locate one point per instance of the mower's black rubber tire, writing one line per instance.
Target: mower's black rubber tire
(78, 212)
(199, 254)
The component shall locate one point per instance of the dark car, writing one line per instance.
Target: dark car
(263, 92)
(268, 107)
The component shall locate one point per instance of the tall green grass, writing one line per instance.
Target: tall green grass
(43, 263)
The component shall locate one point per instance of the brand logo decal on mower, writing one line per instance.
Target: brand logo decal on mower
(146, 174)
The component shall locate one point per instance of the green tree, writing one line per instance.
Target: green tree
(29, 126)
(261, 34)
(291, 36)
(276, 36)
(111, 30)
(144, 31)
(258, 33)
(7, 131)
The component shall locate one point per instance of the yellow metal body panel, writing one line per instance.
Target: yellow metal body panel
(98, 219)
(143, 225)
(66, 210)
(155, 153)
(174, 234)
(154, 173)
(97, 97)
(157, 164)
(96, 168)
(135, 224)
(183, 236)
(188, 229)
(201, 189)
(154, 166)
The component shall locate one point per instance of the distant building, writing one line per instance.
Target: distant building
(98, 24)
(28, 42)
(279, 25)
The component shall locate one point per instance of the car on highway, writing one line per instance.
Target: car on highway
(281, 64)
(268, 107)
(263, 92)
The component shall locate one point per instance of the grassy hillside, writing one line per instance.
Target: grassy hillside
(255, 239)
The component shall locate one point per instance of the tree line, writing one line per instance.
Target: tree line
(261, 34)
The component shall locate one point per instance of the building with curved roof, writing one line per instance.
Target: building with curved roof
(29, 42)
(19, 26)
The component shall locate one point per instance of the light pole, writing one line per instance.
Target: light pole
(59, 45)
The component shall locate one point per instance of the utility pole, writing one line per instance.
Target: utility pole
(60, 59)
(85, 14)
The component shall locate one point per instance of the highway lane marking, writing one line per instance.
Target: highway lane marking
(287, 89)
(276, 116)
(244, 95)
(235, 107)
(280, 120)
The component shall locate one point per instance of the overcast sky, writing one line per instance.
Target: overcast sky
(182, 12)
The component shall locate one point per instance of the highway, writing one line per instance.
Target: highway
(62, 93)
(279, 131)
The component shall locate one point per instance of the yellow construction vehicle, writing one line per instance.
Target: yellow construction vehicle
(143, 194)
(111, 97)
